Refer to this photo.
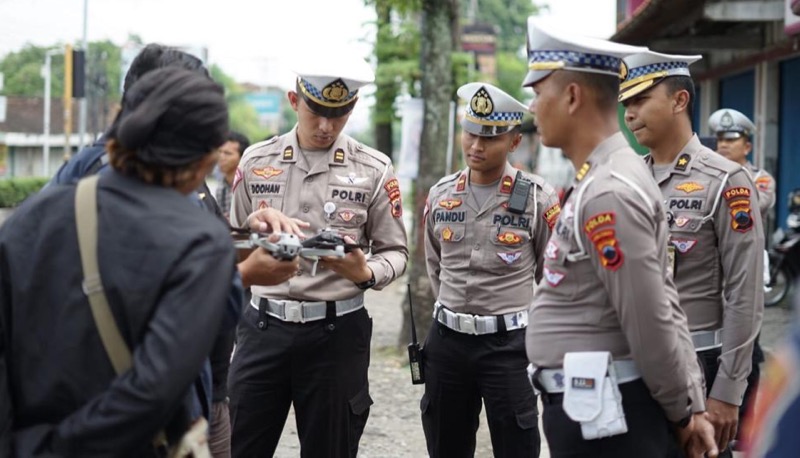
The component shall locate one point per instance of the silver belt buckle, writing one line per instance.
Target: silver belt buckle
(293, 311)
(466, 324)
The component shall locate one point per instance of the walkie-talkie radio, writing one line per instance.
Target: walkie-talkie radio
(414, 352)
(519, 195)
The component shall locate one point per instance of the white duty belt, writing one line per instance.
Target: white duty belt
(552, 380)
(303, 311)
(478, 324)
(707, 340)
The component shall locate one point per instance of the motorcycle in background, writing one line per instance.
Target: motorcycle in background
(784, 256)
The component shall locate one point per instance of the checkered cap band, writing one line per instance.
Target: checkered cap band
(497, 116)
(317, 94)
(577, 59)
(658, 67)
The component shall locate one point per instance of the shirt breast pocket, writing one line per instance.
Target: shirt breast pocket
(510, 248)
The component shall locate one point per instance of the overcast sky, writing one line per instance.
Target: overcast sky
(251, 40)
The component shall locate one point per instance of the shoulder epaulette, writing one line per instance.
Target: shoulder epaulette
(364, 154)
(717, 163)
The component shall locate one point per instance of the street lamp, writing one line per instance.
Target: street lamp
(46, 74)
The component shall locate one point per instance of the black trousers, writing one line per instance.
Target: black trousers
(320, 367)
(648, 429)
(709, 362)
(460, 371)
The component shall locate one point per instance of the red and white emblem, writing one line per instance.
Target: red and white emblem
(510, 258)
(684, 245)
(551, 252)
(553, 277)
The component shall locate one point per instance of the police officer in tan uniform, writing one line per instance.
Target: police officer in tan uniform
(608, 343)
(715, 229)
(485, 232)
(734, 132)
(306, 341)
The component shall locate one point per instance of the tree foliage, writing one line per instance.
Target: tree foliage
(243, 117)
(23, 71)
(510, 18)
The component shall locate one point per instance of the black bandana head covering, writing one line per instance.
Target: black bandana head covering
(172, 117)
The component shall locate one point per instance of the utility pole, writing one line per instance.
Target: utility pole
(82, 118)
(47, 75)
(67, 100)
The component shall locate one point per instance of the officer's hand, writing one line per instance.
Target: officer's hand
(272, 220)
(701, 443)
(353, 266)
(725, 418)
(261, 269)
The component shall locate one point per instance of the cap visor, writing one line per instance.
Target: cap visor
(534, 76)
(483, 130)
(636, 89)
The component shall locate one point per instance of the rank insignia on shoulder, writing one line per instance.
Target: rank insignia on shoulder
(288, 153)
(450, 203)
(583, 171)
(683, 162)
(505, 185)
(689, 187)
(338, 156)
(267, 172)
(462, 183)
(551, 215)
(553, 277)
(510, 258)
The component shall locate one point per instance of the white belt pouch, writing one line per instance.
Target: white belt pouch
(591, 395)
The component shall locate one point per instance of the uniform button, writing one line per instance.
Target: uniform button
(305, 209)
(262, 324)
(477, 246)
(299, 272)
(309, 179)
(331, 327)
(469, 299)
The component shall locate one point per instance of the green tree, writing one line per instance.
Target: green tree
(510, 18)
(243, 117)
(23, 72)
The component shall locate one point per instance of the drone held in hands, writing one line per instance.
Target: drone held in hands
(288, 246)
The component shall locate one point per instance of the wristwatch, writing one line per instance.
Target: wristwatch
(683, 422)
(367, 284)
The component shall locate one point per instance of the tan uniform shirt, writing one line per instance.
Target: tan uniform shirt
(607, 286)
(359, 181)
(765, 185)
(718, 243)
(483, 261)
